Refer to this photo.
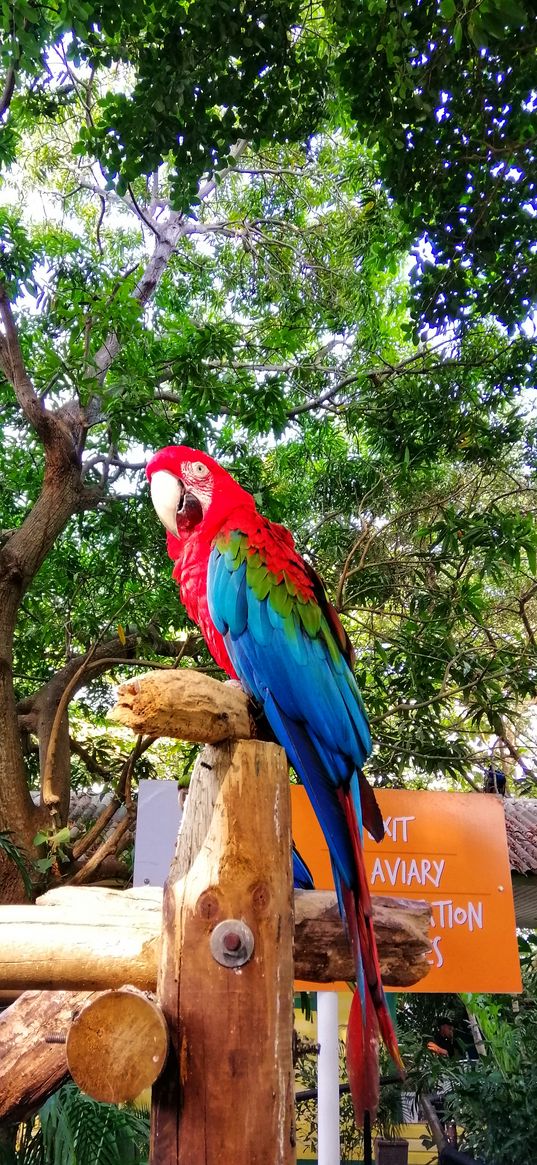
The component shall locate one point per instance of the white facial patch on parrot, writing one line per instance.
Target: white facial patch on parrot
(198, 480)
(167, 495)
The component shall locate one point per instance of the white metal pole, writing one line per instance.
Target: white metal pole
(328, 1078)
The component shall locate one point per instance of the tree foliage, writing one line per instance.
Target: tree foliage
(492, 1097)
(448, 95)
(184, 82)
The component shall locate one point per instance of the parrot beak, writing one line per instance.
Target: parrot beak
(167, 495)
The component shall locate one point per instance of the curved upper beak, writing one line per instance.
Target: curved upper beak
(167, 495)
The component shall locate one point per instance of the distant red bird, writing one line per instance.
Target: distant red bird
(267, 621)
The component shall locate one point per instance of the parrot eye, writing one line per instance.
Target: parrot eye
(167, 495)
(199, 469)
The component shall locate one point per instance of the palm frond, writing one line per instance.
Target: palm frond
(73, 1129)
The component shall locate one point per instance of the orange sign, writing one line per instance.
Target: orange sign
(447, 848)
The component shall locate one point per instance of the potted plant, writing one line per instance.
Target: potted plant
(390, 1147)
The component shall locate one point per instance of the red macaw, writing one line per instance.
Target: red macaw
(267, 621)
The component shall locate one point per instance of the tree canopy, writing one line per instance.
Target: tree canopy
(448, 96)
(215, 229)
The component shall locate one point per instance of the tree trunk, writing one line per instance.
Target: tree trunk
(18, 815)
(20, 559)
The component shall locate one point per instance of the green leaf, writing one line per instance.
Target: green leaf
(448, 9)
(44, 864)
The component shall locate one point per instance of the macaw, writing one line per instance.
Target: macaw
(267, 621)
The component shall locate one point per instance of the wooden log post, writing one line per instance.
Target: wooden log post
(226, 972)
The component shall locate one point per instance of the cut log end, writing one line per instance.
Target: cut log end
(117, 1045)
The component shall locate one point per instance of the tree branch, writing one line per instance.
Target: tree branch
(169, 235)
(143, 217)
(58, 431)
(12, 362)
(87, 758)
(107, 847)
(324, 396)
(8, 90)
(121, 797)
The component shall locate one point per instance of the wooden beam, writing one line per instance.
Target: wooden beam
(322, 954)
(227, 1093)
(31, 1068)
(92, 938)
(92, 942)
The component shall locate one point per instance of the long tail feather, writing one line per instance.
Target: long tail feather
(362, 1058)
(339, 812)
(371, 1013)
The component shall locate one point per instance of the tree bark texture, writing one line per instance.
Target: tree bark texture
(31, 1068)
(226, 1093)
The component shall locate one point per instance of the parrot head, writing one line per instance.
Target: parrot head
(187, 486)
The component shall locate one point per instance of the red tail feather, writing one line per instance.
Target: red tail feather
(362, 1058)
(362, 1033)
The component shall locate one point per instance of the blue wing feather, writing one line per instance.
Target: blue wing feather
(302, 879)
(309, 695)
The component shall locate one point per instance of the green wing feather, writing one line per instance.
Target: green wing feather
(279, 588)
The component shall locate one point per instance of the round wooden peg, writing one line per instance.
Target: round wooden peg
(117, 1045)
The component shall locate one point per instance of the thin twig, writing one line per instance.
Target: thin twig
(141, 214)
(109, 846)
(122, 796)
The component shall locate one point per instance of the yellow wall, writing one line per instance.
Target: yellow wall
(417, 1155)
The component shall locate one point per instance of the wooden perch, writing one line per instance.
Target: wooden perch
(91, 938)
(322, 954)
(31, 1067)
(184, 704)
(87, 938)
